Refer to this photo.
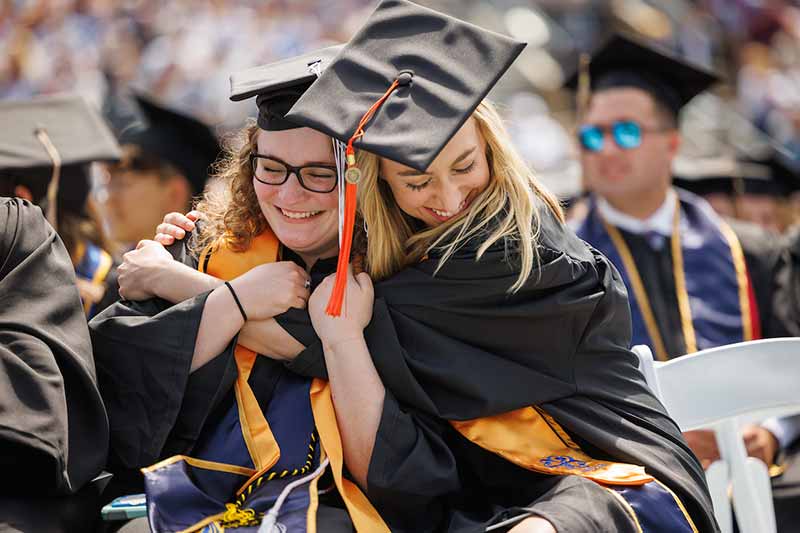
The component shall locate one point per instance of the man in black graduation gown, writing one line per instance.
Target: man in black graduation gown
(694, 280)
(53, 426)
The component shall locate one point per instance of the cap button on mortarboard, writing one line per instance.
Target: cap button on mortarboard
(404, 78)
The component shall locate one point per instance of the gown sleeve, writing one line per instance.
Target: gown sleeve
(144, 352)
(52, 419)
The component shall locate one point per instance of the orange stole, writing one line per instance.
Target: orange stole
(221, 262)
(532, 439)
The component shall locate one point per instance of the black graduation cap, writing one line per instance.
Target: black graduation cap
(401, 88)
(46, 143)
(625, 60)
(443, 66)
(182, 141)
(76, 131)
(279, 85)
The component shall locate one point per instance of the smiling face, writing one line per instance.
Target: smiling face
(455, 178)
(304, 221)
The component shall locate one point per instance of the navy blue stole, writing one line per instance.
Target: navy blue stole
(713, 288)
(219, 487)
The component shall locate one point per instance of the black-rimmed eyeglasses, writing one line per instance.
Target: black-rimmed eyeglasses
(272, 171)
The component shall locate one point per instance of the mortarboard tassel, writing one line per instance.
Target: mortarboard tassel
(584, 85)
(352, 176)
(52, 186)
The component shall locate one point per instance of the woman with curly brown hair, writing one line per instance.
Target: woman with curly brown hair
(232, 433)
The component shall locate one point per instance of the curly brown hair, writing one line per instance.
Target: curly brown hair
(232, 212)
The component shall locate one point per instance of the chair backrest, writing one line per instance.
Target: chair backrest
(722, 388)
(748, 380)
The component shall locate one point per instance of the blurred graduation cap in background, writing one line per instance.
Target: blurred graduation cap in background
(724, 153)
(47, 144)
(627, 60)
(183, 142)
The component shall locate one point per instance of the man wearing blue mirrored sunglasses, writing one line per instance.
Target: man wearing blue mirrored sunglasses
(686, 270)
(628, 141)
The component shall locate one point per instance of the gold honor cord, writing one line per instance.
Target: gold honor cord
(638, 290)
(680, 287)
(52, 187)
(680, 283)
(583, 93)
(741, 279)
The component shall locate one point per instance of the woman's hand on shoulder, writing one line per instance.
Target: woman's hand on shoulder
(356, 311)
(271, 289)
(142, 269)
(175, 226)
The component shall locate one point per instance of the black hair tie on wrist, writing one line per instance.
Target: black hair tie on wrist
(236, 299)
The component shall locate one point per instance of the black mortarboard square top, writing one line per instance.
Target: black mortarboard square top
(76, 131)
(452, 66)
(180, 140)
(279, 85)
(624, 60)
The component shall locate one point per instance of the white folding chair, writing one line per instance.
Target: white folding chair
(722, 389)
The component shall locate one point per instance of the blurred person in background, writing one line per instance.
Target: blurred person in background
(63, 192)
(166, 160)
(741, 171)
(53, 425)
(693, 282)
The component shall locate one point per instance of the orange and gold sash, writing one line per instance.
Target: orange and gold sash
(532, 439)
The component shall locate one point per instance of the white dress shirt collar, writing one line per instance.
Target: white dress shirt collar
(659, 222)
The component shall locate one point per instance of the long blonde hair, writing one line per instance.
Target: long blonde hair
(509, 198)
(232, 212)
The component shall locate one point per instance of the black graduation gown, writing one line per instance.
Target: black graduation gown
(53, 426)
(786, 299)
(786, 296)
(456, 346)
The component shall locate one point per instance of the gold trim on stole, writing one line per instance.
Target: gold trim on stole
(689, 337)
(741, 279)
(526, 439)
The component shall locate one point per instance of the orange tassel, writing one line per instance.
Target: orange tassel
(337, 296)
(352, 175)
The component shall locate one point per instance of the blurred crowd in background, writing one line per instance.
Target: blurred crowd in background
(182, 52)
